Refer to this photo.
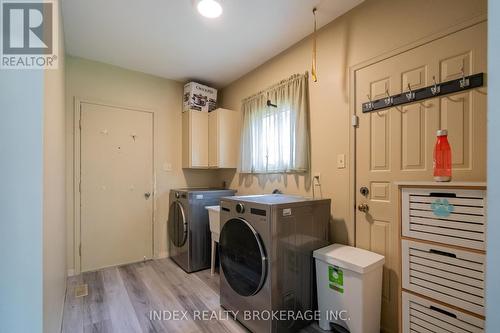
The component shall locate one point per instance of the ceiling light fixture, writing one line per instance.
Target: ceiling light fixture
(209, 8)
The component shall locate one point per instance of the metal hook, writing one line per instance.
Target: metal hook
(388, 100)
(369, 105)
(464, 82)
(410, 95)
(435, 89)
(271, 104)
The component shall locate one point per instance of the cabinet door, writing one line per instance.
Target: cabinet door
(195, 139)
(228, 138)
(213, 139)
(199, 139)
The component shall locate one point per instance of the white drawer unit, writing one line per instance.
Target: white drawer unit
(445, 274)
(448, 216)
(423, 316)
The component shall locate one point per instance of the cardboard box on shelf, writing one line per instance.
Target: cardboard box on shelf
(199, 97)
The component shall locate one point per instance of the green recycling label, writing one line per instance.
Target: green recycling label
(336, 279)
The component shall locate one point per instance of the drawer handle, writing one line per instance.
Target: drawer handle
(443, 195)
(449, 314)
(442, 253)
(225, 209)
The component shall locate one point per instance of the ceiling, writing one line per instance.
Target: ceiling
(168, 38)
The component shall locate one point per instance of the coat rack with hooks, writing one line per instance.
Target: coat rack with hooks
(437, 89)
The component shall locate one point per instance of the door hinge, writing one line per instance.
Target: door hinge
(80, 249)
(80, 187)
(354, 121)
(80, 124)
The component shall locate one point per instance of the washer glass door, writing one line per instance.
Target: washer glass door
(242, 256)
(177, 224)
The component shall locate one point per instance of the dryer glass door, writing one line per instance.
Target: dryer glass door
(177, 224)
(242, 256)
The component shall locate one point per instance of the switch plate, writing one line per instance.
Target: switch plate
(167, 166)
(340, 161)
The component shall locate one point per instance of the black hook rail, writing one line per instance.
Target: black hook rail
(437, 89)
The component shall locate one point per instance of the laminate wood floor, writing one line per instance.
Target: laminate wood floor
(120, 300)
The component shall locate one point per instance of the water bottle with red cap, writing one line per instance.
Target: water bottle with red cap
(442, 157)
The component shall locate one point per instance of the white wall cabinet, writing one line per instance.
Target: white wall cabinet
(195, 139)
(223, 138)
(210, 140)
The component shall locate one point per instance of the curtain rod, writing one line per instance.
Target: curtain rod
(274, 86)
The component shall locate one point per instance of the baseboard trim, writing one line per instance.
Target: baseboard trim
(162, 255)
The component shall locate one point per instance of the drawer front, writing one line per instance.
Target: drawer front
(455, 217)
(423, 316)
(452, 276)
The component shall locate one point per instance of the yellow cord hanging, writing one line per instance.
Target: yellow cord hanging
(313, 69)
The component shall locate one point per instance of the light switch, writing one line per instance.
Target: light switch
(167, 166)
(340, 161)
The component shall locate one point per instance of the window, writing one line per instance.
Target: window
(272, 145)
(276, 139)
(277, 127)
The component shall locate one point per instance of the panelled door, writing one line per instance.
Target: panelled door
(116, 175)
(397, 144)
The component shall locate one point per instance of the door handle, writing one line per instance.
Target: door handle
(147, 195)
(363, 208)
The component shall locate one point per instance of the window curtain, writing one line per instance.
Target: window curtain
(276, 139)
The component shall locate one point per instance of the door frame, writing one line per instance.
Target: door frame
(77, 103)
(465, 24)
(352, 100)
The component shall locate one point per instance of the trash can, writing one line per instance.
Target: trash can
(349, 288)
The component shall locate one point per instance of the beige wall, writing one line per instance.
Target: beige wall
(96, 81)
(54, 195)
(374, 28)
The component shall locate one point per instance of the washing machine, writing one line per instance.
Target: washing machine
(188, 227)
(267, 268)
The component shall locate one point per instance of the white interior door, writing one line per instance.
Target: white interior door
(116, 175)
(396, 144)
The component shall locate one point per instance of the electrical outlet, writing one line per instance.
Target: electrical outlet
(340, 161)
